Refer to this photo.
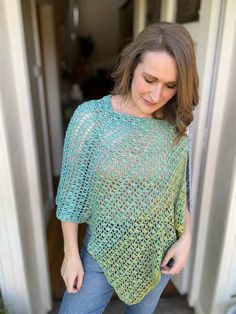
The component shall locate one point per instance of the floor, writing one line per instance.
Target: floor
(167, 305)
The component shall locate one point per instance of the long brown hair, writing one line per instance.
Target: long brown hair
(175, 40)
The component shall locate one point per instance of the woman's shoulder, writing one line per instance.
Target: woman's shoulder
(89, 110)
(93, 105)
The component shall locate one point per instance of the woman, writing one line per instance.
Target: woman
(125, 173)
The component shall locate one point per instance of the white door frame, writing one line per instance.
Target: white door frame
(207, 65)
(24, 276)
(50, 64)
(221, 20)
(42, 100)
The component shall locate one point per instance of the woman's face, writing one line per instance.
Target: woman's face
(154, 83)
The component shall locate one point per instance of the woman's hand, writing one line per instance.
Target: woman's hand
(72, 273)
(179, 251)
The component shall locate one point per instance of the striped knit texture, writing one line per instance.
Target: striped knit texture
(121, 175)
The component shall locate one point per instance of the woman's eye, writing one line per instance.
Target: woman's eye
(147, 80)
(171, 86)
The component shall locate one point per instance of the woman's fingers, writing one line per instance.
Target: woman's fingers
(177, 266)
(179, 252)
(166, 259)
(72, 273)
(80, 281)
(74, 284)
(70, 285)
(172, 271)
(170, 265)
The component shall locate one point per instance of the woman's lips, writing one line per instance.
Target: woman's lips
(148, 103)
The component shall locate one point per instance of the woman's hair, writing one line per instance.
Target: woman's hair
(175, 40)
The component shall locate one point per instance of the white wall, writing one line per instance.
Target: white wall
(193, 29)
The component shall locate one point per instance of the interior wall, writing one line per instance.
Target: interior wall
(101, 20)
(193, 29)
(61, 14)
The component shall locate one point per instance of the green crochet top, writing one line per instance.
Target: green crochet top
(122, 177)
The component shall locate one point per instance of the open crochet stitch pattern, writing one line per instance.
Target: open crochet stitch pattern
(121, 175)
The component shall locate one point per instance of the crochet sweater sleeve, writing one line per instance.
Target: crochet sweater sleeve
(73, 189)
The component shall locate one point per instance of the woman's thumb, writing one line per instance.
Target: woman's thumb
(166, 259)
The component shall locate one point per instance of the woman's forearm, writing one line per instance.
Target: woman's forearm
(187, 225)
(187, 234)
(70, 236)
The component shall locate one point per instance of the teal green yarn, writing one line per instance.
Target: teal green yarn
(121, 175)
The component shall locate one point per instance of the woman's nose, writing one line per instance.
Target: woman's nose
(156, 93)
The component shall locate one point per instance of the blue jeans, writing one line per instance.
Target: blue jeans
(96, 292)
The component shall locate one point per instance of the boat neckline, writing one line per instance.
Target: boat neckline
(128, 116)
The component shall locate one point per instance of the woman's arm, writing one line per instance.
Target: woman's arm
(70, 236)
(72, 270)
(179, 251)
(187, 225)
